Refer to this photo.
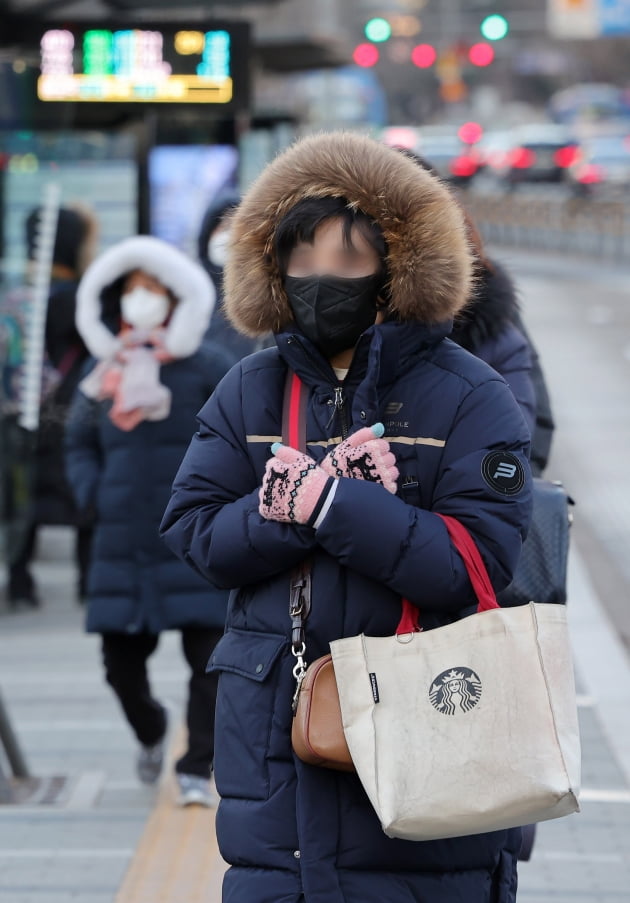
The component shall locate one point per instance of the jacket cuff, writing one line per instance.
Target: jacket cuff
(325, 501)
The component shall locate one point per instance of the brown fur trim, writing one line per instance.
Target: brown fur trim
(429, 260)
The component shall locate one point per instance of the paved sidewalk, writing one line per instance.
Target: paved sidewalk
(68, 723)
(585, 858)
(78, 849)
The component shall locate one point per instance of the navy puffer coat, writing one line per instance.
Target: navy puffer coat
(293, 833)
(135, 583)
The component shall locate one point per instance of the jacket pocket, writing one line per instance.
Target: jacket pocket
(248, 681)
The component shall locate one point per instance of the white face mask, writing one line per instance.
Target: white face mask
(218, 248)
(144, 309)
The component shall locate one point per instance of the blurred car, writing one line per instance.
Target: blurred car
(492, 154)
(540, 153)
(602, 166)
(452, 159)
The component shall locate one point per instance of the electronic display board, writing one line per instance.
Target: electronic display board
(150, 63)
(183, 182)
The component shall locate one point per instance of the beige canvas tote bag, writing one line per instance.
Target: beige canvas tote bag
(466, 728)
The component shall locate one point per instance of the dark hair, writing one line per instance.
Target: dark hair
(301, 222)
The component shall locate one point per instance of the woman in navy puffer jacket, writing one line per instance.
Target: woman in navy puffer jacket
(337, 234)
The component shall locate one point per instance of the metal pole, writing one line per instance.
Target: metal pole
(30, 390)
(11, 745)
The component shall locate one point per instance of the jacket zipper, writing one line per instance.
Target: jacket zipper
(340, 406)
(339, 400)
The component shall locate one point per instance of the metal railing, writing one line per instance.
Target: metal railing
(587, 227)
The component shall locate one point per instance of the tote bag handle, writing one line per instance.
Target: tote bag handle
(477, 572)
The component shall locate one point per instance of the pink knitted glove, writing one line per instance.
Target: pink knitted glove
(364, 456)
(294, 487)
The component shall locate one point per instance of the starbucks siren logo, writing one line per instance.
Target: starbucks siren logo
(457, 689)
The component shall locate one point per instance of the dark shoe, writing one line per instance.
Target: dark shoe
(150, 762)
(150, 759)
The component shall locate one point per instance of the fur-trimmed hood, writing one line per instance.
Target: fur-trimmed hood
(187, 281)
(429, 261)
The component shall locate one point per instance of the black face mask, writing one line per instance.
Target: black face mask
(332, 311)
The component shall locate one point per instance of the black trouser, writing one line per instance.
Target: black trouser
(21, 558)
(125, 659)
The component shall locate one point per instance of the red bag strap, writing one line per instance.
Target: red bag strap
(467, 548)
(410, 619)
(294, 412)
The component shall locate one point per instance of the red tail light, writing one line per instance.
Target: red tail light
(590, 174)
(566, 156)
(463, 166)
(522, 158)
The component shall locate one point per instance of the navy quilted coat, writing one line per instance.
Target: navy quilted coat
(294, 833)
(135, 583)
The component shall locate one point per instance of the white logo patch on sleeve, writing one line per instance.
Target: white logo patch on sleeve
(503, 472)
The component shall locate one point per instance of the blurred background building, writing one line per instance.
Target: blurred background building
(146, 112)
(298, 65)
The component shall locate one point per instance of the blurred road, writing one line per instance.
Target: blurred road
(77, 846)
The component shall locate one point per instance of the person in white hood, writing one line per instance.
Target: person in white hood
(143, 308)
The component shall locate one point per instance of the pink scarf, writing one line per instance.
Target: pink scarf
(132, 379)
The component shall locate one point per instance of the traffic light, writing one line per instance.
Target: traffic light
(481, 54)
(494, 28)
(365, 55)
(378, 30)
(423, 56)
